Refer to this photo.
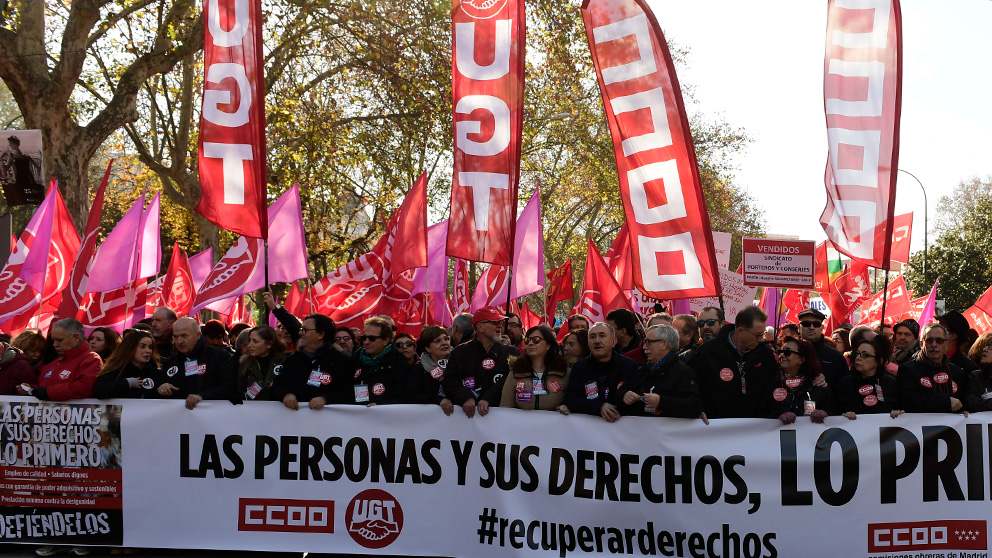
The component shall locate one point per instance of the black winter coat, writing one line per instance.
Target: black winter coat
(114, 385)
(477, 373)
(207, 371)
(877, 394)
(732, 385)
(925, 388)
(326, 373)
(387, 378)
(588, 389)
(789, 394)
(674, 381)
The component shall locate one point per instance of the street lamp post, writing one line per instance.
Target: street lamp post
(926, 251)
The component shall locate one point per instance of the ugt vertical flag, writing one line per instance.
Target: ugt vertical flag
(487, 88)
(862, 97)
(232, 122)
(670, 233)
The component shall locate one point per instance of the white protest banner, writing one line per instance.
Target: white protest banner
(409, 480)
(736, 296)
(721, 244)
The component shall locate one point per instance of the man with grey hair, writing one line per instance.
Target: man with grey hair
(461, 329)
(73, 373)
(163, 319)
(930, 382)
(594, 385)
(665, 386)
(197, 371)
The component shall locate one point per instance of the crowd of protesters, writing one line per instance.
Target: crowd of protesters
(687, 366)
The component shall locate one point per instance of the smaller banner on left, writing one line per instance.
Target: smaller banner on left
(60, 473)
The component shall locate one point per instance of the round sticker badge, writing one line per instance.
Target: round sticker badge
(954, 387)
(726, 374)
(488, 363)
(358, 373)
(941, 378)
(780, 394)
(793, 383)
(325, 378)
(437, 372)
(172, 371)
(64, 375)
(378, 389)
(871, 400)
(925, 382)
(554, 386)
(865, 390)
(520, 387)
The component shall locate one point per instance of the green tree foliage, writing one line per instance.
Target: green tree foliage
(960, 254)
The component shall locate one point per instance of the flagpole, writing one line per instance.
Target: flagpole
(885, 296)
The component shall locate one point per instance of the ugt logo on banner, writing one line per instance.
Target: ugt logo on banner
(374, 518)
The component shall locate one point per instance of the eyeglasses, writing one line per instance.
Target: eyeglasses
(787, 352)
(342, 339)
(807, 323)
(534, 340)
(708, 323)
(648, 341)
(936, 340)
(515, 324)
(305, 329)
(405, 344)
(862, 354)
(371, 338)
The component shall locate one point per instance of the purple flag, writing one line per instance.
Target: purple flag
(931, 306)
(287, 252)
(36, 261)
(680, 306)
(200, 266)
(528, 250)
(150, 247)
(114, 264)
(434, 277)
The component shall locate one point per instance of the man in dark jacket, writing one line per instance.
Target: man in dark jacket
(477, 368)
(905, 340)
(624, 322)
(957, 336)
(163, 320)
(734, 367)
(930, 383)
(832, 362)
(317, 373)
(594, 385)
(664, 386)
(197, 371)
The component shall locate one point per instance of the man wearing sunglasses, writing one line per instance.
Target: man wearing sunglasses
(929, 382)
(832, 362)
(710, 322)
(477, 369)
(734, 368)
(381, 377)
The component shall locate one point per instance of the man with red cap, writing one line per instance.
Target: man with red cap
(477, 368)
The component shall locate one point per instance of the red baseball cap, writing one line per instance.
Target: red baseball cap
(487, 314)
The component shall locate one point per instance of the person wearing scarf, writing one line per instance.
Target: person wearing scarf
(978, 394)
(930, 383)
(382, 375)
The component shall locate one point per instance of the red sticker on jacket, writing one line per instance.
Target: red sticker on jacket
(488, 363)
(437, 372)
(870, 401)
(954, 387)
(793, 383)
(378, 389)
(325, 379)
(925, 382)
(358, 373)
(520, 387)
(726, 374)
(941, 377)
(554, 386)
(780, 394)
(865, 390)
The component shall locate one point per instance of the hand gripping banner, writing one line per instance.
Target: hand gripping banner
(487, 87)
(862, 97)
(232, 122)
(662, 195)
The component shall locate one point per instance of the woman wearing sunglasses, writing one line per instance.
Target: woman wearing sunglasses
(406, 347)
(538, 377)
(869, 388)
(428, 385)
(793, 392)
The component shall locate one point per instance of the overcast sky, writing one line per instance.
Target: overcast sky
(759, 65)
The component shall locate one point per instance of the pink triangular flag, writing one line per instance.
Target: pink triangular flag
(150, 247)
(113, 266)
(287, 249)
(200, 266)
(528, 251)
(36, 261)
(434, 277)
(931, 307)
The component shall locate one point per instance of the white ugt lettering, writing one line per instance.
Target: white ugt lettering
(465, 52)
(234, 157)
(213, 98)
(501, 131)
(238, 31)
(481, 183)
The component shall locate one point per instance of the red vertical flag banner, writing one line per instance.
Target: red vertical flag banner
(670, 235)
(487, 88)
(232, 122)
(559, 289)
(862, 97)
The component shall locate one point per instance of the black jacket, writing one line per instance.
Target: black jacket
(114, 385)
(790, 393)
(386, 377)
(978, 393)
(962, 361)
(208, 372)
(865, 396)
(256, 376)
(327, 373)
(427, 381)
(289, 323)
(473, 372)
(832, 362)
(720, 369)
(674, 381)
(593, 383)
(926, 388)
